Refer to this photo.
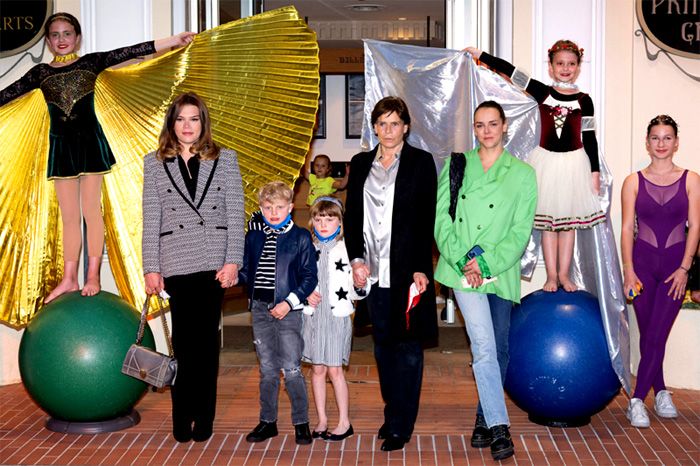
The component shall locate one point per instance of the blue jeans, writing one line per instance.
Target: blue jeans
(278, 344)
(489, 345)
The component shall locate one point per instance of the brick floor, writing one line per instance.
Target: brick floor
(441, 436)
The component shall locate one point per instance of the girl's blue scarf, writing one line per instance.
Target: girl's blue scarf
(325, 239)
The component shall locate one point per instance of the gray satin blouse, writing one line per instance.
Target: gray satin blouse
(378, 211)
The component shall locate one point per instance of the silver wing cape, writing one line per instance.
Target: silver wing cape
(442, 88)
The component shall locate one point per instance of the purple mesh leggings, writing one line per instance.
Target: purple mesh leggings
(655, 310)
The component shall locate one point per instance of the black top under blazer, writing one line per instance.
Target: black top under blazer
(413, 219)
(182, 236)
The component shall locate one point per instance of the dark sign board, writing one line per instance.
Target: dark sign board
(22, 24)
(673, 25)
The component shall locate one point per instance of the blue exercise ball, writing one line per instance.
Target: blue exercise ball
(71, 355)
(560, 371)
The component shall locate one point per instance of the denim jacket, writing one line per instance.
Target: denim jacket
(296, 273)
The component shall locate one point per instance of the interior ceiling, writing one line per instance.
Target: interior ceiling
(388, 10)
(394, 11)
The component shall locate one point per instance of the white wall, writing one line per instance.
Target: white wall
(335, 145)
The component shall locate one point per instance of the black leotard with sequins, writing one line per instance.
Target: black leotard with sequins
(77, 144)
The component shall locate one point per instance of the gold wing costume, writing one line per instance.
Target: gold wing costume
(259, 77)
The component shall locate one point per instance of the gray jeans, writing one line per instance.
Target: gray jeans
(278, 344)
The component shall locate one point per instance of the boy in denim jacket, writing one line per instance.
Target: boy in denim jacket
(279, 268)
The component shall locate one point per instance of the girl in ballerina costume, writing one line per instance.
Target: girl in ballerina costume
(566, 160)
(79, 154)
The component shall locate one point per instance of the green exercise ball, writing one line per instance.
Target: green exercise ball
(71, 355)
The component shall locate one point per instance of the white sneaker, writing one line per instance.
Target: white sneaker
(637, 413)
(663, 405)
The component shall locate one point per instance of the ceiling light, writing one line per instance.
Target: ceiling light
(402, 19)
(365, 7)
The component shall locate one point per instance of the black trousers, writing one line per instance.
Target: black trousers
(400, 367)
(195, 306)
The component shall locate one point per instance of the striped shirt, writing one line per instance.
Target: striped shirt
(264, 287)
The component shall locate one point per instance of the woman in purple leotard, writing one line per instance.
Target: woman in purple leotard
(657, 254)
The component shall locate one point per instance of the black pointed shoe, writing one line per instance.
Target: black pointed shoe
(182, 434)
(501, 445)
(262, 432)
(319, 434)
(481, 436)
(393, 442)
(339, 437)
(302, 434)
(202, 432)
(383, 432)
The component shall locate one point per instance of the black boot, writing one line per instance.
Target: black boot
(501, 445)
(302, 434)
(262, 432)
(481, 436)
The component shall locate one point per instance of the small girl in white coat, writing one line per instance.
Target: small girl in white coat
(327, 327)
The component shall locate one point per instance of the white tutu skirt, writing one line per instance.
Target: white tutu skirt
(565, 197)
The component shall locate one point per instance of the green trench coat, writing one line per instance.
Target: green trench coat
(495, 210)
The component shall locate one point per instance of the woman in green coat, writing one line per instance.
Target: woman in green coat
(484, 217)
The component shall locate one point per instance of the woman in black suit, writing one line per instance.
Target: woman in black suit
(193, 241)
(389, 218)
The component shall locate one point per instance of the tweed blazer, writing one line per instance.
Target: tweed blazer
(183, 236)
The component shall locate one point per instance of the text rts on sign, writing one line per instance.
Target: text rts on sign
(22, 24)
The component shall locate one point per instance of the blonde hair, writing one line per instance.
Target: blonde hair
(324, 207)
(275, 190)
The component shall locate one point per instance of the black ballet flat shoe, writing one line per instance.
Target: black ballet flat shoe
(481, 436)
(262, 432)
(319, 434)
(393, 442)
(339, 437)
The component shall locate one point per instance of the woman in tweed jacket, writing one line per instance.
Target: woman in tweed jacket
(193, 238)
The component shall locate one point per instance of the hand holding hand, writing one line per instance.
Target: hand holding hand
(360, 272)
(228, 275)
(314, 299)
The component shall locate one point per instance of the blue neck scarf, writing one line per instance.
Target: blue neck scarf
(280, 225)
(325, 239)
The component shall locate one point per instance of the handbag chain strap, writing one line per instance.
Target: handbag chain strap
(142, 324)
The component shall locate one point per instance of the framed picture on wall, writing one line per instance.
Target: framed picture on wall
(354, 105)
(320, 128)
